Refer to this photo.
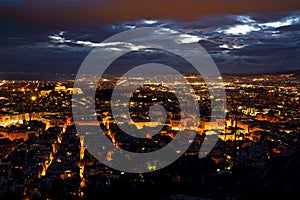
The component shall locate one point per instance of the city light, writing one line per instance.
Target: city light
(252, 134)
(33, 98)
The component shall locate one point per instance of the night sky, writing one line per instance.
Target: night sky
(241, 36)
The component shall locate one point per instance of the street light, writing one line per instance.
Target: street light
(33, 99)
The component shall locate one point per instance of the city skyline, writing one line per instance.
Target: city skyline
(43, 155)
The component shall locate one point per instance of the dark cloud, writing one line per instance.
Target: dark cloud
(83, 12)
(241, 36)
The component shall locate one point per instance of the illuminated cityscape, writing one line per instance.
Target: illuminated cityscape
(43, 154)
(149, 100)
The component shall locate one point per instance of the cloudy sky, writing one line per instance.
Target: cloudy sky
(241, 36)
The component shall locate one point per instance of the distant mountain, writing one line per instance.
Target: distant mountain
(65, 77)
(36, 76)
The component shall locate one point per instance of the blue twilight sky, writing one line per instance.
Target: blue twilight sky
(241, 36)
